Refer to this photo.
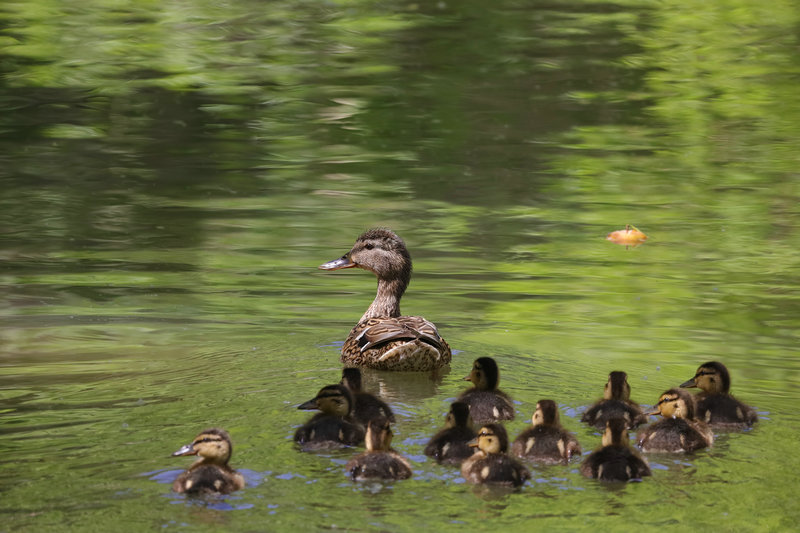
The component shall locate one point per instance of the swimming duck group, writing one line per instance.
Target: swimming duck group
(384, 339)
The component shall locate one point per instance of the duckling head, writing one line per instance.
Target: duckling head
(458, 416)
(616, 432)
(546, 413)
(492, 438)
(675, 403)
(617, 387)
(712, 377)
(351, 378)
(212, 446)
(484, 375)
(336, 400)
(380, 251)
(379, 435)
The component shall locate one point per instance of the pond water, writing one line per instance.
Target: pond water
(173, 173)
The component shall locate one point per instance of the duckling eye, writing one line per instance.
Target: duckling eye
(369, 246)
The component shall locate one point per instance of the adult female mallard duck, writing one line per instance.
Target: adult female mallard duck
(451, 444)
(334, 427)
(715, 405)
(210, 473)
(490, 464)
(486, 402)
(383, 338)
(616, 403)
(679, 431)
(380, 461)
(615, 460)
(367, 406)
(546, 442)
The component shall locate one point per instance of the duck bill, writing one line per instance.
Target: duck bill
(656, 412)
(688, 384)
(186, 450)
(473, 443)
(337, 264)
(310, 405)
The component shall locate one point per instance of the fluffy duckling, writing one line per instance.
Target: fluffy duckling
(715, 405)
(486, 402)
(546, 442)
(383, 338)
(367, 406)
(490, 464)
(615, 460)
(334, 427)
(451, 444)
(679, 431)
(380, 461)
(210, 473)
(616, 403)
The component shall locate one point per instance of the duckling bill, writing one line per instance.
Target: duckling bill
(210, 473)
(334, 427)
(383, 338)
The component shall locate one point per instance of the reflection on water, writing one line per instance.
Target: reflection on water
(171, 180)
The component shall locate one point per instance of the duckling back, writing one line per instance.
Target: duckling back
(208, 479)
(494, 469)
(675, 435)
(367, 406)
(724, 411)
(380, 461)
(615, 463)
(486, 402)
(604, 410)
(546, 444)
(334, 427)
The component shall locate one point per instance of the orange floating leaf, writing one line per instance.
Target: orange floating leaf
(630, 236)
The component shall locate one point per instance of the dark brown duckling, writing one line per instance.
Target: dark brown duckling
(486, 402)
(615, 460)
(451, 444)
(678, 431)
(380, 461)
(546, 442)
(715, 405)
(490, 464)
(334, 427)
(383, 338)
(367, 406)
(210, 473)
(616, 403)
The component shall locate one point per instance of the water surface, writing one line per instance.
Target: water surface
(173, 174)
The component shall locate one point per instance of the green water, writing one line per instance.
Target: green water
(171, 174)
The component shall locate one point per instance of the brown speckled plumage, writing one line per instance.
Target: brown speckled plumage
(384, 339)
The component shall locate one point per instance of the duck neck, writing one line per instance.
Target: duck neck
(387, 299)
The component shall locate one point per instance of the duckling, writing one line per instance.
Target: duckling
(486, 402)
(615, 460)
(546, 442)
(451, 444)
(616, 403)
(210, 473)
(334, 427)
(715, 405)
(380, 461)
(490, 464)
(679, 431)
(367, 406)
(383, 338)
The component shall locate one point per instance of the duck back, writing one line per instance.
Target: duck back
(208, 479)
(724, 410)
(488, 405)
(450, 445)
(545, 444)
(378, 465)
(675, 435)
(605, 410)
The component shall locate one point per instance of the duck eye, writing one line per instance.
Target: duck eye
(369, 246)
